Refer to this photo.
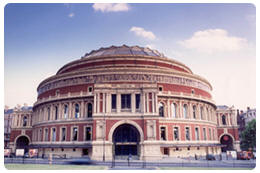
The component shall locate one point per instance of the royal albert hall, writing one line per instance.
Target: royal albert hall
(117, 101)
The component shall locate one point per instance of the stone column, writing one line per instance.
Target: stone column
(98, 102)
(70, 110)
(81, 115)
(153, 103)
(190, 111)
(95, 103)
(51, 111)
(108, 103)
(59, 111)
(28, 119)
(143, 102)
(19, 120)
(118, 103)
(235, 118)
(104, 99)
(133, 102)
(168, 108)
(180, 110)
(13, 121)
(146, 102)
(229, 123)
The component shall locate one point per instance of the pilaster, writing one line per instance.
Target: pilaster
(133, 102)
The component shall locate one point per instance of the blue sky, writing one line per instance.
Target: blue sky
(215, 40)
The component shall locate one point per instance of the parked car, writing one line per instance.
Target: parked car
(81, 161)
(210, 157)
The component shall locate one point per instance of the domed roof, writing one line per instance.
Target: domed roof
(124, 50)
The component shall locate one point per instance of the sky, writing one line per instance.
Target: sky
(217, 41)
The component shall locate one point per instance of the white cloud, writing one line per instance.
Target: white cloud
(143, 33)
(71, 15)
(214, 40)
(112, 7)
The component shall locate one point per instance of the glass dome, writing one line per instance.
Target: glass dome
(124, 50)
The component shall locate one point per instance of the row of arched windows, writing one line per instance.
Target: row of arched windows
(21, 120)
(185, 111)
(64, 113)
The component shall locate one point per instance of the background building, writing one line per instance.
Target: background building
(7, 125)
(124, 100)
(244, 117)
(228, 128)
(21, 127)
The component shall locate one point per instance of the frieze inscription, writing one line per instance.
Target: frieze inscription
(123, 77)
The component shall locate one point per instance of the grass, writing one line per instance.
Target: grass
(51, 167)
(201, 168)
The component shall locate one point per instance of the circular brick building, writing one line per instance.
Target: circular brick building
(125, 100)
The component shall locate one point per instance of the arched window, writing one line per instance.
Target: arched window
(224, 120)
(194, 111)
(76, 110)
(24, 121)
(207, 112)
(185, 111)
(65, 111)
(174, 107)
(161, 110)
(56, 112)
(201, 112)
(49, 113)
(89, 110)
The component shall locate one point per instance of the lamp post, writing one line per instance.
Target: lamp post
(104, 137)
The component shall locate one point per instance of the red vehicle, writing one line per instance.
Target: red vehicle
(245, 155)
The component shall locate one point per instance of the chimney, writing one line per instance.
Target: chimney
(18, 106)
(6, 107)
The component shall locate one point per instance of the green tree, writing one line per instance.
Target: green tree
(249, 136)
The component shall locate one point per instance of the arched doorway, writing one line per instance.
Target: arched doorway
(22, 143)
(227, 141)
(126, 140)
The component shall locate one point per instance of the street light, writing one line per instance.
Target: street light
(104, 137)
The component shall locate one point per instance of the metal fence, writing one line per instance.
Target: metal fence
(138, 164)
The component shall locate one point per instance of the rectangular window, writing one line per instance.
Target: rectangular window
(88, 133)
(197, 134)
(65, 111)
(166, 151)
(204, 134)
(213, 134)
(63, 134)
(75, 134)
(53, 134)
(187, 134)
(46, 135)
(113, 101)
(150, 101)
(209, 134)
(56, 112)
(176, 133)
(125, 101)
(137, 101)
(163, 133)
